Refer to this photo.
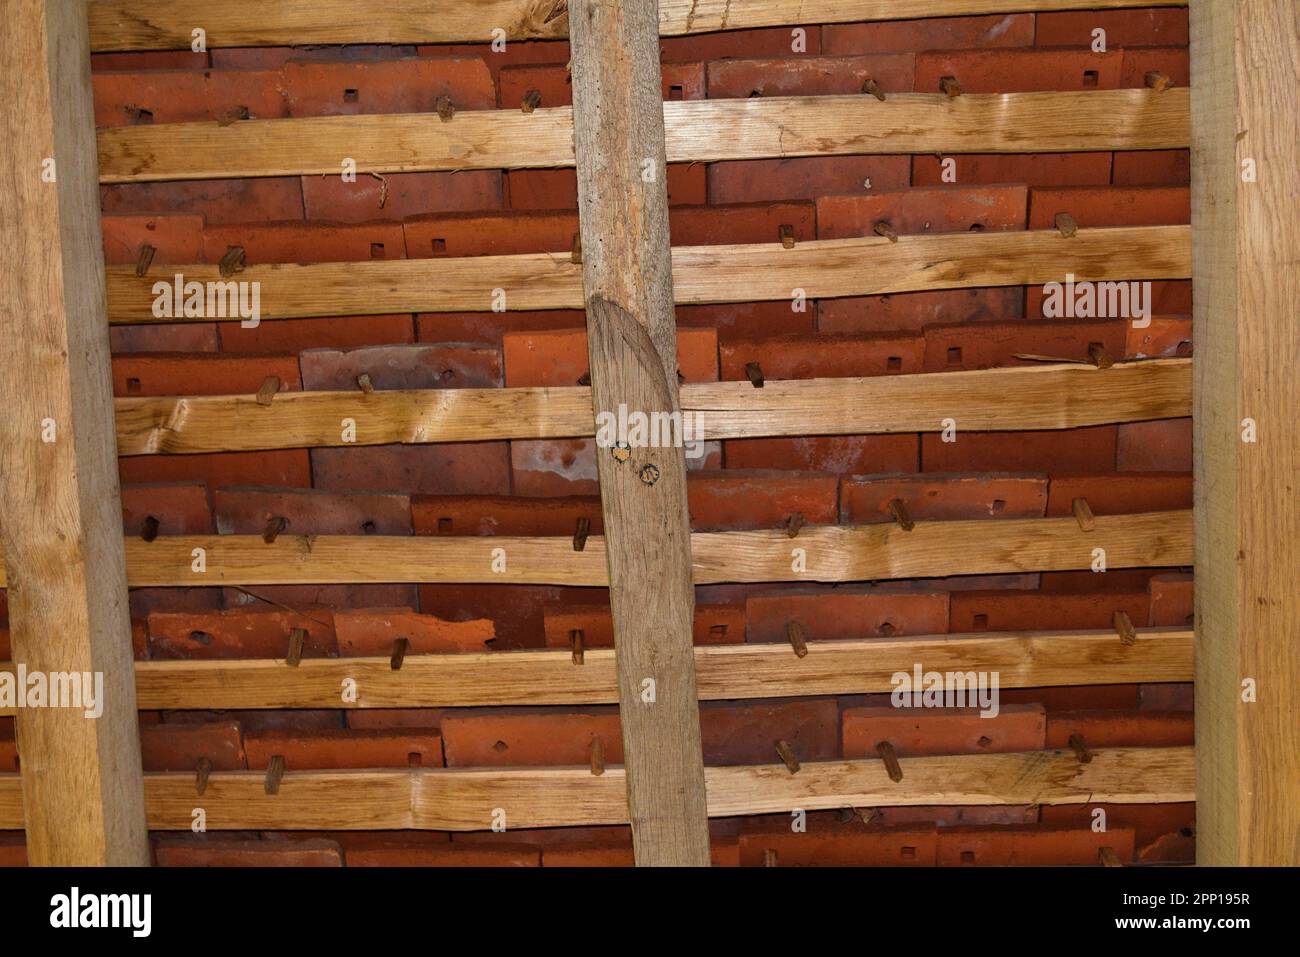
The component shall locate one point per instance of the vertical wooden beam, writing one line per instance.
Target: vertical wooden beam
(60, 513)
(1246, 254)
(631, 340)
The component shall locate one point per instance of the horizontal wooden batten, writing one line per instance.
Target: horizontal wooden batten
(823, 553)
(1063, 396)
(723, 672)
(827, 268)
(695, 131)
(454, 799)
(150, 25)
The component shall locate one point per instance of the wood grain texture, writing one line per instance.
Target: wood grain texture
(697, 131)
(1061, 396)
(61, 514)
(149, 25)
(1245, 250)
(822, 269)
(831, 553)
(723, 672)
(455, 799)
(627, 278)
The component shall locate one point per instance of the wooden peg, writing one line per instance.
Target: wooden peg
(232, 262)
(597, 757)
(769, 857)
(794, 631)
(786, 233)
(1108, 857)
(1157, 81)
(269, 387)
(1099, 356)
(871, 86)
(1124, 628)
(1066, 224)
(446, 109)
(274, 526)
(575, 254)
(297, 638)
(145, 261)
(882, 228)
(363, 381)
(1080, 748)
(1083, 514)
(149, 528)
(755, 373)
(201, 772)
(580, 534)
(575, 642)
(898, 509)
(787, 755)
(531, 101)
(950, 87)
(274, 774)
(890, 757)
(793, 523)
(400, 647)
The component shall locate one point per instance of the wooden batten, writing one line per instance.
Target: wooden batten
(148, 25)
(469, 799)
(830, 553)
(696, 131)
(723, 672)
(1062, 396)
(827, 268)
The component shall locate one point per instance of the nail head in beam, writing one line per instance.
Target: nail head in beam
(883, 228)
(1083, 514)
(1124, 628)
(1157, 81)
(1080, 749)
(145, 261)
(898, 509)
(581, 532)
(400, 647)
(297, 638)
(266, 392)
(597, 757)
(201, 772)
(274, 526)
(754, 372)
(794, 631)
(890, 757)
(274, 774)
(576, 643)
(871, 86)
(1066, 224)
(787, 755)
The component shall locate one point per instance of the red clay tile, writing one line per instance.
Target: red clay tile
(867, 499)
(179, 509)
(714, 624)
(843, 455)
(809, 75)
(875, 847)
(246, 511)
(373, 631)
(948, 209)
(201, 375)
(240, 633)
(332, 332)
(1124, 28)
(182, 96)
(854, 611)
(1121, 493)
(399, 195)
(453, 468)
(297, 242)
(1121, 729)
(410, 85)
(938, 33)
(392, 854)
(1042, 845)
(421, 366)
(1019, 71)
(1171, 599)
(1088, 449)
(345, 748)
(918, 732)
(179, 747)
(1164, 446)
(266, 199)
(735, 499)
(560, 358)
(747, 181)
(1035, 169)
(222, 852)
(823, 356)
(1040, 611)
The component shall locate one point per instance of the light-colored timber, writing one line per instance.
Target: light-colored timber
(819, 269)
(627, 278)
(150, 25)
(1245, 192)
(60, 514)
(829, 553)
(1063, 396)
(723, 672)
(697, 131)
(454, 799)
